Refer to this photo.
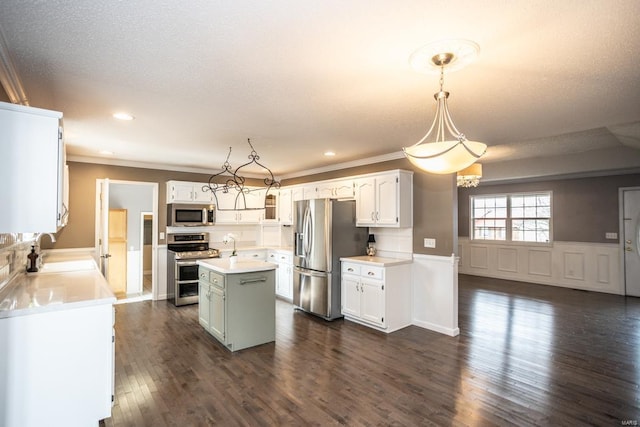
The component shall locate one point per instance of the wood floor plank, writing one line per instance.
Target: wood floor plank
(527, 355)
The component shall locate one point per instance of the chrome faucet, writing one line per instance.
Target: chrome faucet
(36, 242)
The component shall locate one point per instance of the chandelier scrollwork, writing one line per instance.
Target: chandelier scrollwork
(229, 179)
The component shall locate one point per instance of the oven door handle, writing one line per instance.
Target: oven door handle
(186, 263)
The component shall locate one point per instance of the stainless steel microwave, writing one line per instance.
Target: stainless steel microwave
(184, 215)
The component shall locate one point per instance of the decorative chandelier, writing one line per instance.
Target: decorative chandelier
(232, 180)
(470, 177)
(448, 150)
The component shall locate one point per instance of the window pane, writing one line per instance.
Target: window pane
(544, 212)
(517, 212)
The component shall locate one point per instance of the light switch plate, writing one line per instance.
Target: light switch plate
(429, 243)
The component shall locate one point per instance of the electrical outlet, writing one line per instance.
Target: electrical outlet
(611, 235)
(429, 243)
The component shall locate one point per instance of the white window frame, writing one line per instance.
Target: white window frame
(509, 225)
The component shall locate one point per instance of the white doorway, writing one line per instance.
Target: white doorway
(141, 201)
(630, 231)
(146, 244)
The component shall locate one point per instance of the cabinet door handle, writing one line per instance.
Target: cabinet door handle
(357, 288)
(377, 216)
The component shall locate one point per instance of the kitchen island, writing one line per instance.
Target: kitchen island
(237, 303)
(56, 346)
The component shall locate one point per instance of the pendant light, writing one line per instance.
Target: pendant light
(444, 149)
(469, 177)
(230, 180)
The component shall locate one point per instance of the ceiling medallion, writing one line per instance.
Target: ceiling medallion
(448, 150)
(229, 179)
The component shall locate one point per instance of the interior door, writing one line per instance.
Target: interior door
(117, 268)
(631, 217)
(103, 235)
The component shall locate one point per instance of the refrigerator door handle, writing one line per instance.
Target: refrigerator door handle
(309, 273)
(307, 227)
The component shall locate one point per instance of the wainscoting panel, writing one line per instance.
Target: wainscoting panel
(587, 266)
(479, 257)
(508, 260)
(435, 293)
(574, 265)
(539, 262)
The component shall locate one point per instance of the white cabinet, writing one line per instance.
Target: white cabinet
(253, 254)
(188, 192)
(33, 170)
(57, 366)
(342, 189)
(385, 200)
(246, 208)
(284, 274)
(297, 193)
(285, 206)
(378, 296)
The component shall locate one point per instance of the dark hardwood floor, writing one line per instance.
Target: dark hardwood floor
(526, 355)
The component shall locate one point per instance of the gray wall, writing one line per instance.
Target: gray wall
(584, 209)
(135, 199)
(434, 203)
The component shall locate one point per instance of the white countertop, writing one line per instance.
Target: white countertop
(42, 292)
(243, 265)
(376, 260)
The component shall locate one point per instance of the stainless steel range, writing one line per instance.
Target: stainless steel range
(182, 271)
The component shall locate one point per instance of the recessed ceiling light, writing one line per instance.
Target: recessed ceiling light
(329, 153)
(123, 116)
(106, 152)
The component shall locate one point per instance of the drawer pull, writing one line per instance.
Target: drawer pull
(256, 280)
(371, 273)
(349, 269)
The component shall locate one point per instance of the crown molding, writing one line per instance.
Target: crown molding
(346, 165)
(143, 165)
(9, 76)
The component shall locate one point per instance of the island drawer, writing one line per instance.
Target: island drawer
(212, 277)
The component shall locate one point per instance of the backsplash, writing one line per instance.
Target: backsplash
(14, 249)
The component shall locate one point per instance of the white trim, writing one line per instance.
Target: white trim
(575, 265)
(622, 268)
(434, 293)
(154, 249)
(158, 166)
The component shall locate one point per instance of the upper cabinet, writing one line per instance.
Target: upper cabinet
(187, 192)
(285, 206)
(341, 189)
(385, 200)
(34, 191)
(246, 208)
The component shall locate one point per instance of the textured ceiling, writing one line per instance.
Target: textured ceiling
(303, 77)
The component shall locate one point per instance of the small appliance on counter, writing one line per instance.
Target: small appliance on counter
(184, 249)
(371, 246)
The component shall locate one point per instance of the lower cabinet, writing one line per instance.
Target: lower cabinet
(211, 307)
(377, 296)
(284, 274)
(238, 309)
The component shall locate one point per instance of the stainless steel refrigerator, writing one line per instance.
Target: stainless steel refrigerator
(325, 230)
